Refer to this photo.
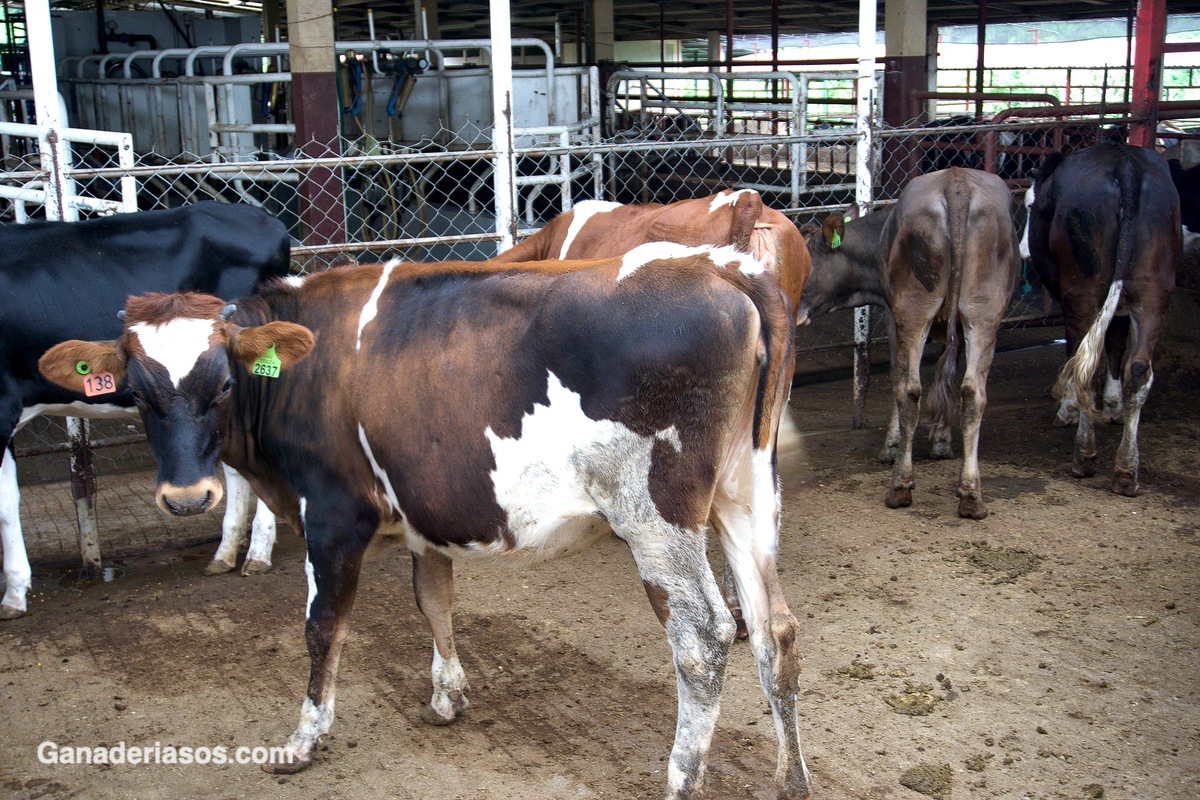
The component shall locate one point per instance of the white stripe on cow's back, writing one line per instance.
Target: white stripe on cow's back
(371, 307)
(1029, 198)
(389, 492)
(727, 199)
(580, 214)
(295, 281)
(177, 344)
(723, 256)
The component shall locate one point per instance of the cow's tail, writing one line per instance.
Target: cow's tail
(942, 408)
(1075, 379)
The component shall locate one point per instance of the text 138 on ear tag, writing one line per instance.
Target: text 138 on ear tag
(268, 364)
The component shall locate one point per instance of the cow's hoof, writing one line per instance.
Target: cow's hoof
(431, 717)
(972, 507)
(742, 632)
(255, 567)
(9, 612)
(899, 497)
(288, 767)
(1084, 467)
(1125, 483)
(218, 567)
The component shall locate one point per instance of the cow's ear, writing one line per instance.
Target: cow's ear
(833, 230)
(292, 342)
(746, 210)
(70, 363)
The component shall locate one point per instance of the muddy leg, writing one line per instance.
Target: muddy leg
(981, 346)
(1115, 341)
(1139, 375)
(906, 385)
(238, 501)
(335, 550)
(891, 442)
(18, 577)
(262, 541)
(674, 569)
(749, 525)
(433, 585)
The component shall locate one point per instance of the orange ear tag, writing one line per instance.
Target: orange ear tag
(95, 383)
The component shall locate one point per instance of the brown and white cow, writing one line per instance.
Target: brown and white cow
(945, 254)
(602, 229)
(506, 410)
(1104, 236)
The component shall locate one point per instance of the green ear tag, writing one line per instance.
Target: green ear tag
(83, 367)
(268, 364)
(835, 241)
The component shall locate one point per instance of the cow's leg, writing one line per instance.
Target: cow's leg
(18, 577)
(939, 431)
(1115, 341)
(684, 593)
(335, 551)
(891, 442)
(433, 585)
(906, 386)
(980, 348)
(238, 501)
(1084, 463)
(749, 534)
(1138, 376)
(733, 600)
(262, 541)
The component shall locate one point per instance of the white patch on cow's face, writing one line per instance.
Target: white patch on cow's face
(87, 410)
(1029, 198)
(727, 199)
(388, 491)
(177, 344)
(295, 281)
(371, 307)
(580, 214)
(564, 470)
(724, 257)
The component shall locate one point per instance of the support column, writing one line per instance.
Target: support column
(864, 194)
(1147, 69)
(316, 112)
(605, 31)
(502, 116)
(905, 66)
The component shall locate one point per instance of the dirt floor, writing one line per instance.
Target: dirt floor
(1049, 651)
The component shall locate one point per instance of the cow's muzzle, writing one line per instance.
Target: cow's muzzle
(184, 501)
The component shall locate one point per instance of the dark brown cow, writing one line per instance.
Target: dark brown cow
(601, 229)
(944, 254)
(525, 409)
(1104, 236)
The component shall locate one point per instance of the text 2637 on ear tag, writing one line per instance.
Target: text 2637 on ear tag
(267, 365)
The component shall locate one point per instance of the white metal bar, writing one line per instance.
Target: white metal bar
(863, 192)
(502, 116)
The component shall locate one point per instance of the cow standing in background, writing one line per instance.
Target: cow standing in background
(601, 229)
(66, 280)
(945, 254)
(1104, 236)
(514, 409)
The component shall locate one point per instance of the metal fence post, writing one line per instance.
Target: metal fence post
(502, 126)
(863, 195)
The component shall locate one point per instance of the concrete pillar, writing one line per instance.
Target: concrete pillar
(905, 66)
(316, 113)
(603, 29)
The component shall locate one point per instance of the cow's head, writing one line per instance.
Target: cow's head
(176, 356)
(837, 272)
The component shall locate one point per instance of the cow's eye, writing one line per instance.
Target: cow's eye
(225, 390)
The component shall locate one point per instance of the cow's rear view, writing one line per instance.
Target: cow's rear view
(1104, 236)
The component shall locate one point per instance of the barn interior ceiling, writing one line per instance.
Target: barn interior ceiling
(645, 20)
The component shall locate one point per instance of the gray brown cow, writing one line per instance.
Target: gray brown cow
(516, 410)
(945, 254)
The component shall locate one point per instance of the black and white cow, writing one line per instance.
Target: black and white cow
(1187, 183)
(516, 410)
(68, 280)
(1104, 236)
